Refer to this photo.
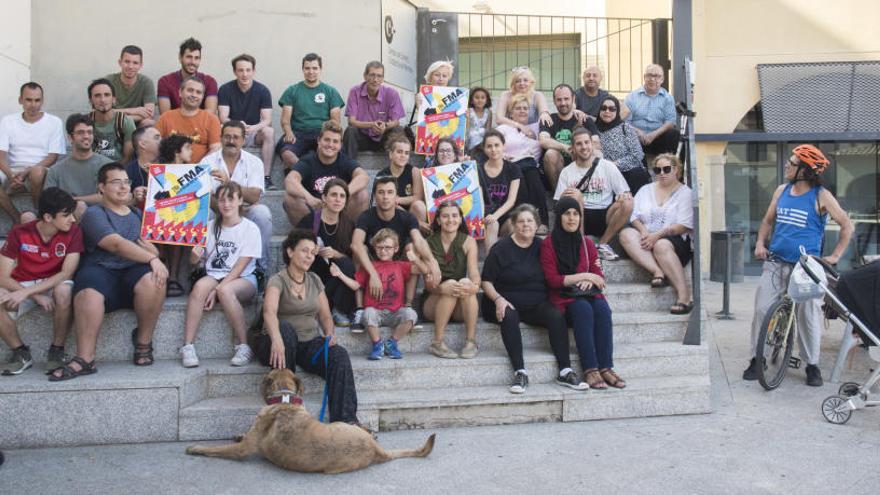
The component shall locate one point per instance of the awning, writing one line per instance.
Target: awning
(827, 97)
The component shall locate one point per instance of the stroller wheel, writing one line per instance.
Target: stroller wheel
(848, 389)
(836, 410)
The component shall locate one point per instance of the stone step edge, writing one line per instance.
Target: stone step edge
(372, 400)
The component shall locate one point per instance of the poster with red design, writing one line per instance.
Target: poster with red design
(458, 182)
(442, 114)
(177, 204)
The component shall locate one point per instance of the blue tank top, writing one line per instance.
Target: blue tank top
(797, 224)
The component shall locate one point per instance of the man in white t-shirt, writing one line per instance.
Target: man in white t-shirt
(30, 142)
(607, 200)
(231, 163)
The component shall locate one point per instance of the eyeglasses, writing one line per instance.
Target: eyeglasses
(606, 108)
(662, 170)
(445, 152)
(384, 248)
(119, 182)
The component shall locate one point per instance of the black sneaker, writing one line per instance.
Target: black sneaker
(814, 376)
(357, 321)
(267, 182)
(520, 382)
(751, 373)
(572, 381)
(56, 358)
(20, 360)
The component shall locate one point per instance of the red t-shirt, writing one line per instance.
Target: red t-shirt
(393, 275)
(36, 259)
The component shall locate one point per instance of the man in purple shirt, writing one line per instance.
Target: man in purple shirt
(167, 90)
(373, 111)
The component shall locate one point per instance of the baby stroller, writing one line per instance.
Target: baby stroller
(856, 299)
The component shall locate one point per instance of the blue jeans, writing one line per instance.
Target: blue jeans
(590, 321)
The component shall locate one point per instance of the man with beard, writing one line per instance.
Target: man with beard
(113, 129)
(556, 138)
(589, 96)
(190, 58)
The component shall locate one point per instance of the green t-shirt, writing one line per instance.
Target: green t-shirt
(106, 137)
(143, 91)
(78, 177)
(311, 106)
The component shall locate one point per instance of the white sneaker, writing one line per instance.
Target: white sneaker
(243, 355)
(189, 356)
(606, 253)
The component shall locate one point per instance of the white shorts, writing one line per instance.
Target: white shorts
(28, 304)
(5, 180)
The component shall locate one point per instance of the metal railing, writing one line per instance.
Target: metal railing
(557, 48)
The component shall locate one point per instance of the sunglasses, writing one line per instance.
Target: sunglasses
(662, 170)
(606, 108)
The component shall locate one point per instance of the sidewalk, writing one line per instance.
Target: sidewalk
(754, 442)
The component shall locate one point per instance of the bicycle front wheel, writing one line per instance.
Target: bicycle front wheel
(775, 343)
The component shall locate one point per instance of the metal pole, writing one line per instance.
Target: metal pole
(693, 334)
(725, 313)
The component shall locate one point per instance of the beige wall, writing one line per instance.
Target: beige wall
(731, 38)
(529, 7)
(15, 52)
(70, 48)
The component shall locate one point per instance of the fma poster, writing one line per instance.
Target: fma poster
(442, 113)
(459, 182)
(176, 209)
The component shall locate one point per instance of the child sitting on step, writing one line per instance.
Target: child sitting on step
(394, 307)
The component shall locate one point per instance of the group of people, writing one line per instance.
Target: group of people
(347, 263)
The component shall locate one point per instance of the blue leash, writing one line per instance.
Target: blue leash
(326, 350)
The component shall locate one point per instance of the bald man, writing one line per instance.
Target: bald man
(589, 97)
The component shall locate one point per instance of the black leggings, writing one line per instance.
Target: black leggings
(342, 397)
(531, 189)
(340, 296)
(543, 315)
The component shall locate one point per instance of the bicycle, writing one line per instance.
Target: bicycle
(778, 333)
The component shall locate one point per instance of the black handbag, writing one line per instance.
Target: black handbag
(575, 292)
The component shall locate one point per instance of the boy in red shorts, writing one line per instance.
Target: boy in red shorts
(36, 269)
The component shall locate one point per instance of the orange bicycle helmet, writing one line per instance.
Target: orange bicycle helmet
(810, 156)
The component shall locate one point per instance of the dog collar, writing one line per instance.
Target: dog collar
(284, 397)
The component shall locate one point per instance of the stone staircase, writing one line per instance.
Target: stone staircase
(166, 402)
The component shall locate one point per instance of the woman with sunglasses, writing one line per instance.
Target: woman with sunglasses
(662, 222)
(620, 144)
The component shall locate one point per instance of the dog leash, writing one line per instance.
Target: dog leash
(325, 349)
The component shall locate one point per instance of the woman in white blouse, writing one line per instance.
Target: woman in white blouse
(662, 223)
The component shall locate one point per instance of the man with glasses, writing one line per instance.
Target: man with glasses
(120, 270)
(78, 172)
(651, 111)
(231, 163)
(373, 110)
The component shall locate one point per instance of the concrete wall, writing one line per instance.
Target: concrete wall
(731, 38)
(74, 42)
(15, 52)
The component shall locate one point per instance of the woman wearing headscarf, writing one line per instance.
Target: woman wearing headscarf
(620, 144)
(572, 268)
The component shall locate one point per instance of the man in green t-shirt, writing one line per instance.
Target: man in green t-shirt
(113, 129)
(305, 106)
(135, 92)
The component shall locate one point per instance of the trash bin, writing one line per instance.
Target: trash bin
(722, 240)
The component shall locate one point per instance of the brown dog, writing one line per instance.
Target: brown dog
(287, 435)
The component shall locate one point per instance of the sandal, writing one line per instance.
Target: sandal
(658, 282)
(143, 353)
(67, 372)
(681, 308)
(594, 379)
(173, 289)
(612, 378)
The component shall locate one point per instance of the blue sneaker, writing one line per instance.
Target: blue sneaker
(391, 349)
(377, 352)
